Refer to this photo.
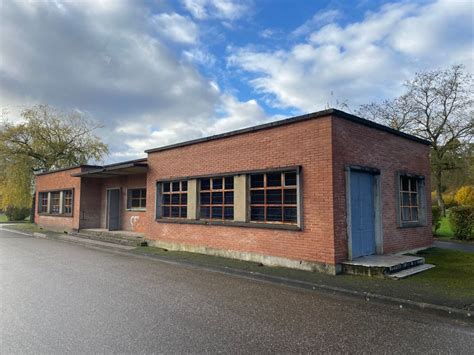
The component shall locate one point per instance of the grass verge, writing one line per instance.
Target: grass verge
(450, 283)
(444, 231)
(25, 227)
(3, 218)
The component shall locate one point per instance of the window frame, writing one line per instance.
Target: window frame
(212, 205)
(159, 199)
(141, 198)
(421, 200)
(281, 188)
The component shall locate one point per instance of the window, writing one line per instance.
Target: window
(67, 202)
(43, 202)
(174, 199)
(55, 202)
(274, 197)
(409, 199)
(136, 199)
(216, 198)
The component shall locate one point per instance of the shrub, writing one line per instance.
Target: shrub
(465, 196)
(462, 222)
(16, 213)
(449, 201)
(436, 217)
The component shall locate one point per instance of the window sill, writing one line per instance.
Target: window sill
(54, 215)
(136, 210)
(289, 227)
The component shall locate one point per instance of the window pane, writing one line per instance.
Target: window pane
(414, 214)
(257, 197)
(166, 211)
(217, 198)
(205, 184)
(290, 215)
(143, 203)
(184, 186)
(175, 185)
(229, 198)
(166, 199)
(174, 211)
(228, 212)
(175, 199)
(405, 214)
(414, 184)
(229, 183)
(217, 212)
(135, 203)
(414, 199)
(404, 183)
(166, 187)
(205, 212)
(257, 214)
(184, 212)
(256, 180)
(135, 193)
(205, 198)
(274, 197)
(405, 199)
(184, 199)
(274, 179)
(290, 179)
(274, 214)
(217, 184)
(290, 197)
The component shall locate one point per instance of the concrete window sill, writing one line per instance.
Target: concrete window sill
(230, 224)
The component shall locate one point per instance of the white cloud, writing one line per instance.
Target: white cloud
(104, 58)
(319, 19)
(361, 61)
(219, 9)
(178, 28)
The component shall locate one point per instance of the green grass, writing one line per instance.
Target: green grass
(3, 218)
(444, 231)
(450, 283)
(25, 227)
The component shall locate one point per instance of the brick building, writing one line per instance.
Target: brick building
(306, 192)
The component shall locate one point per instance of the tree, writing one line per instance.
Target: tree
(437, 106)
(45, 139)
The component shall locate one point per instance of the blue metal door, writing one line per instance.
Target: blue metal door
(362, 213)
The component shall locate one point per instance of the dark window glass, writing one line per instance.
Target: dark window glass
(67, 202)
(274, 214)
(205, 212)
(217, 183)
(290, 179)
(290, 197)
(217, 198)
(166, 199)
(256, 180)
(229, 198)
(274, 197)
(217, 212)
(257, 197)
(229, 183)
(205, 198)
(136, 198)
(175, 199)
(257, 213)
(409, 202)
(174, 211)
(166, 211)
(55, 198)
(166, 187)
(205, 184)
(184, 186)
(290, 215)
(184, 199)
(228, 212)
(184, 212)
(175, 186)
(273, 179)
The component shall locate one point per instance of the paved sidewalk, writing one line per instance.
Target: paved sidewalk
(454, 246)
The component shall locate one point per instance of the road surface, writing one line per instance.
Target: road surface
(57, 297)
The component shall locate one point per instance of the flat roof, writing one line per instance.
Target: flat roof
(291, 120)
(114, 170)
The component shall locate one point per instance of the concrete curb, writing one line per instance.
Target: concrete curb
(367, 296)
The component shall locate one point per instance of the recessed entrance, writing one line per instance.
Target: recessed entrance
(113, 209)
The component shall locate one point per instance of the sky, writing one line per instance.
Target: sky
(159, 72)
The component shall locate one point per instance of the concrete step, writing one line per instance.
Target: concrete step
(133, 239)
(381, 265)
(411, 271)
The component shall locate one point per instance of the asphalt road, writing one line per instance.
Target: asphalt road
(57, 297)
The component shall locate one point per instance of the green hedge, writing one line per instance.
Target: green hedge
(462, 221)
(16, 213)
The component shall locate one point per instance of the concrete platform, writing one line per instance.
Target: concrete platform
(117, 237)
(381, 265)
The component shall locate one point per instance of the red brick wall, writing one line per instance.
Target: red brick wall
(355, 144)
(305, 143)
(56, 181)
(131, 220)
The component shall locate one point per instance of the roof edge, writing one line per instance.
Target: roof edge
(291, 120)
